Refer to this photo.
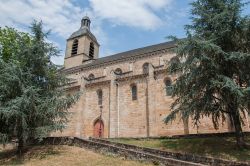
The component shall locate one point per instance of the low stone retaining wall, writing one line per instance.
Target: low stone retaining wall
(178, 156)
(204, 135)
(125, 152)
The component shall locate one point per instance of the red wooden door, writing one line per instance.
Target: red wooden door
(98, 129)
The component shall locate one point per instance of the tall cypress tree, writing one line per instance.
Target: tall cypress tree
(32, 100)
(214, 68)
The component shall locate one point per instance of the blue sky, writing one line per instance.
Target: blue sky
(119, 25)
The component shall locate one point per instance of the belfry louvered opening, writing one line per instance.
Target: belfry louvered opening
(74, 48)
(91, 50)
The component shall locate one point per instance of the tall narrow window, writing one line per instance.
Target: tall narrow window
(168, 87)
(91, 50)
(99, 94)
(134, 92)
(145, 68)
(74, 47)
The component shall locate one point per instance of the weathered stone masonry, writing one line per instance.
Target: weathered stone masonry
(114, 76)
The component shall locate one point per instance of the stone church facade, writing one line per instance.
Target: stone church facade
(123, 95)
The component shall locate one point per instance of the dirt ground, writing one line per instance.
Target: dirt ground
(63, 156)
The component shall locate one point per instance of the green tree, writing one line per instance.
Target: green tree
(32, 100)
(10, 42)
(214, 67)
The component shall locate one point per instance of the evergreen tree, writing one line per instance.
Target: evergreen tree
(214, 67)
(32, 100)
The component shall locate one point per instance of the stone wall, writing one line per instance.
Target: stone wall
(82, 51)
(122, 116)
(140, 153)
(180, 156)
(106, 148)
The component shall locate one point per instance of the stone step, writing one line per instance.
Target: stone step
(137, 154)
(177, 156)
(149, 156)
(120, 151)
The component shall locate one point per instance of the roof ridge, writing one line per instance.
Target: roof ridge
(136, 49)
(127, 54)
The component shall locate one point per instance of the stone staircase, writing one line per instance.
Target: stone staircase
(178, 157)
(106, 147)
(139, 154)
(158, 157)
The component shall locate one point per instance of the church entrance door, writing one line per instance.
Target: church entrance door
(98, 128)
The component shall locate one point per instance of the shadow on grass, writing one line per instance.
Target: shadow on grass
(218, 147)
(10, 157)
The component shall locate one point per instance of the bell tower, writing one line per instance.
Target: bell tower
(82, 46)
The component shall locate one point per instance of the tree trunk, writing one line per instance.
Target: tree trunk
(20, 147)
(20, 137)
(238, 129)
(186, 127)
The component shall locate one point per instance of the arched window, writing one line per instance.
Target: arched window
(118, 71)
(134, 91)
(91, 50)
(74, 47)
(145, 68)
(99, 94)
(91, 76)
(168, 87)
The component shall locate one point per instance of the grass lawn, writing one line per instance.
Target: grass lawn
(63, 156)
(224, 148)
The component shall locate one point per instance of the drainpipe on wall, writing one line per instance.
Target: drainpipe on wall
(118, 110)
(147, 110)
(109, 109)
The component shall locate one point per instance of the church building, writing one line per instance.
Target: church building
(123, 95)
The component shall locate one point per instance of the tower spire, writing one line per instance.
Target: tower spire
(85, 23)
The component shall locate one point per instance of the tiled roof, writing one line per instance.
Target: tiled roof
(127, 54)
(81, 32)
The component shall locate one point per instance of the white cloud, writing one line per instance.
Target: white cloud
(156, 4)
(63, 16)
(135, 13)
(59, 60)
(60, 15)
